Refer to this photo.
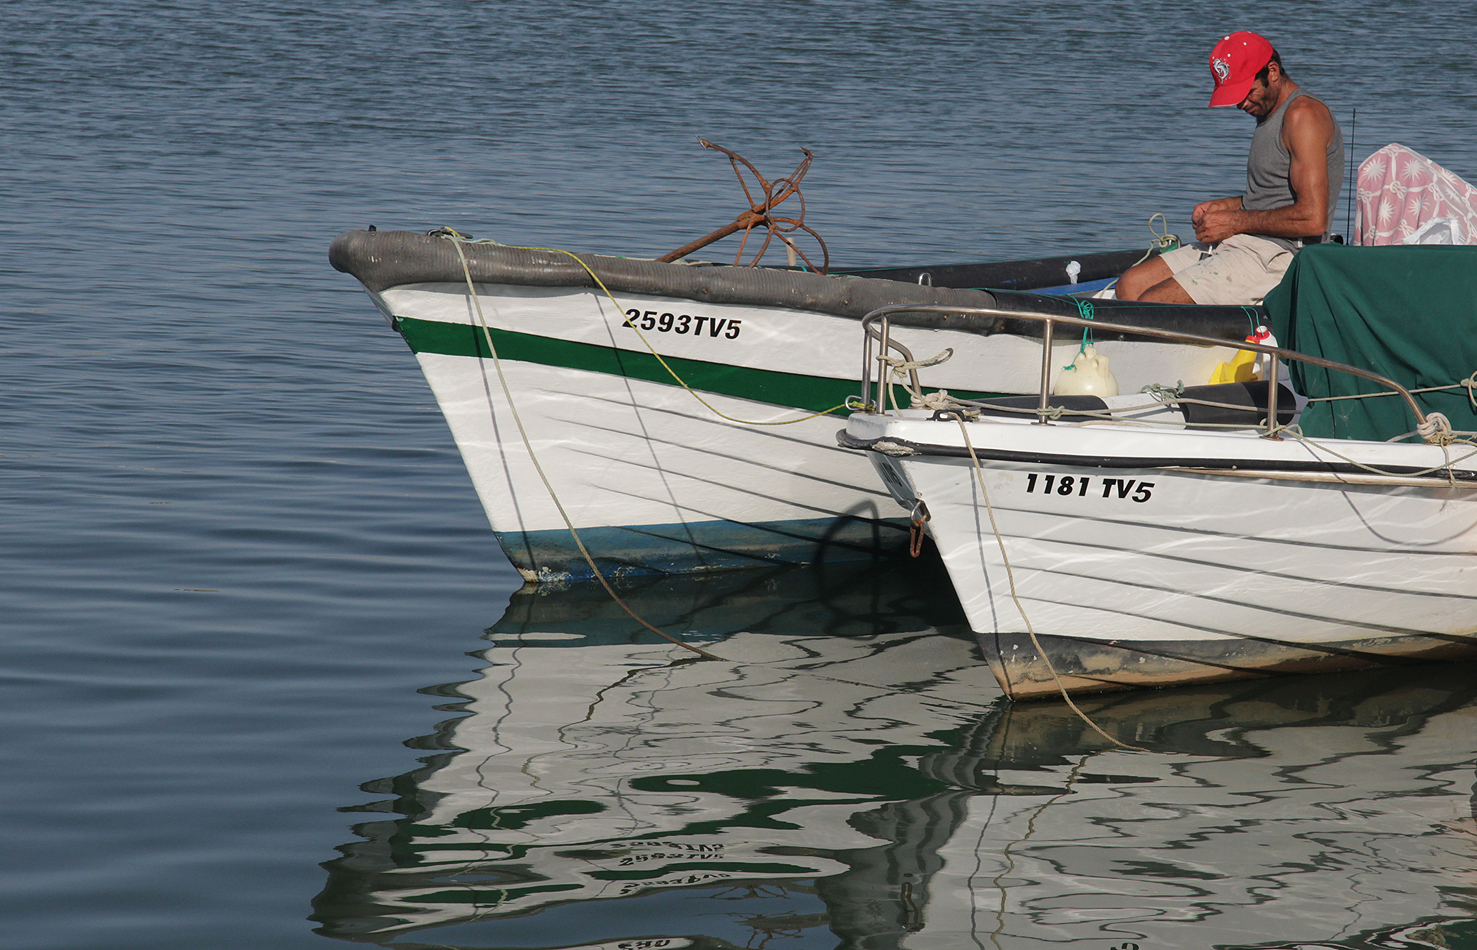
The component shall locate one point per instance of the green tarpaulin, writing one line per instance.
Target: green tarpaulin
(1409, 313)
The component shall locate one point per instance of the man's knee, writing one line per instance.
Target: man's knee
(1140, 278)
(1132, 283)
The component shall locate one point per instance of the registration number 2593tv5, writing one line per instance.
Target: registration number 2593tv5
(1082, 486)
(681, 323)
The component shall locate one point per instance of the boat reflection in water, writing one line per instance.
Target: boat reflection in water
(848, 776)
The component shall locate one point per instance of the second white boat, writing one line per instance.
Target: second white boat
(1169, 538)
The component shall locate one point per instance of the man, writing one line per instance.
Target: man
(1293, 177)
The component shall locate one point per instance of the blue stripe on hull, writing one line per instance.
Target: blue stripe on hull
(702, 546)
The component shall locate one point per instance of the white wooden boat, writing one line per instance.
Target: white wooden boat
(676, 410)
(1114, 546)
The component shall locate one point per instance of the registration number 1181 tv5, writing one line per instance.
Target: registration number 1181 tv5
(1082, 486)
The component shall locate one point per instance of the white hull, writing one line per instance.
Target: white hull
(1244, 558)
(654, 478)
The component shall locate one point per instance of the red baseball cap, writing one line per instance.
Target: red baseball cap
(1234, 63)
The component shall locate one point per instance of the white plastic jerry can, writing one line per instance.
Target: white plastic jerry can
(1087, 376)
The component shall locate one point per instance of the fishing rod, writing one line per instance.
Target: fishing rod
(1352, 181)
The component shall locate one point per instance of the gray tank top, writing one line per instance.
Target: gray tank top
(1268, 165)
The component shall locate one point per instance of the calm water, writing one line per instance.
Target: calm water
(249, 699)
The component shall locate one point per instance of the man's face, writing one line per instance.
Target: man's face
(1262, 98)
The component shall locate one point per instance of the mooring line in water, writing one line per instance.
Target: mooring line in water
(553, 496)
(1009, 854)
(1010, 576)
(457, 239)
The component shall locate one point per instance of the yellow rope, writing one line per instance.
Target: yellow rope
(457, 239)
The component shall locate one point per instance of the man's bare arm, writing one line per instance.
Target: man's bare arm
(1306, 131)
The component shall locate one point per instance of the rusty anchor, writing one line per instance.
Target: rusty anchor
(761, 214)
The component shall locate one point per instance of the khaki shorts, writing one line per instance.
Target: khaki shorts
(1239, 270)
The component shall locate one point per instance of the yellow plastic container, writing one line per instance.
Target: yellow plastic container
(1241, 369)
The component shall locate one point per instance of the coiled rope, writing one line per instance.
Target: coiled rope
(1084, 310)
(1159, 241)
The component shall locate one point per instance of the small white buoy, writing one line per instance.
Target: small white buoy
(1087, 376)
(1074, 269)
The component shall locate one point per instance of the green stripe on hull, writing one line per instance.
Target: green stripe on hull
(795, 390)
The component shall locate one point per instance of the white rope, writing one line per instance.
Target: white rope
(1293, 432)
(938, 400)
(1160, 241)
(901, 367)
(1469, 384)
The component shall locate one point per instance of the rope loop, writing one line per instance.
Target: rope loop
(1159, 241)
(1166, 393)
(1436, 429)
(1086, 311)
(1162, 239)
(952, 410)
(939, 399)
(901, 367)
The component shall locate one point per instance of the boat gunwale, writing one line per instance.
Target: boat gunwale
(1248, 467)
(381, 260)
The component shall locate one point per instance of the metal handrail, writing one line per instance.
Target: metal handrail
(885, 343)
(883, 335)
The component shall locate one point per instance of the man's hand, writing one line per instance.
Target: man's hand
(1216, 219)
(1217, 225)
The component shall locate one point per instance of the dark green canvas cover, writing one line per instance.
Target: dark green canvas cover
(1409, 313)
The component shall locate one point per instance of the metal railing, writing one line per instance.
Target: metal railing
(877, 326)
